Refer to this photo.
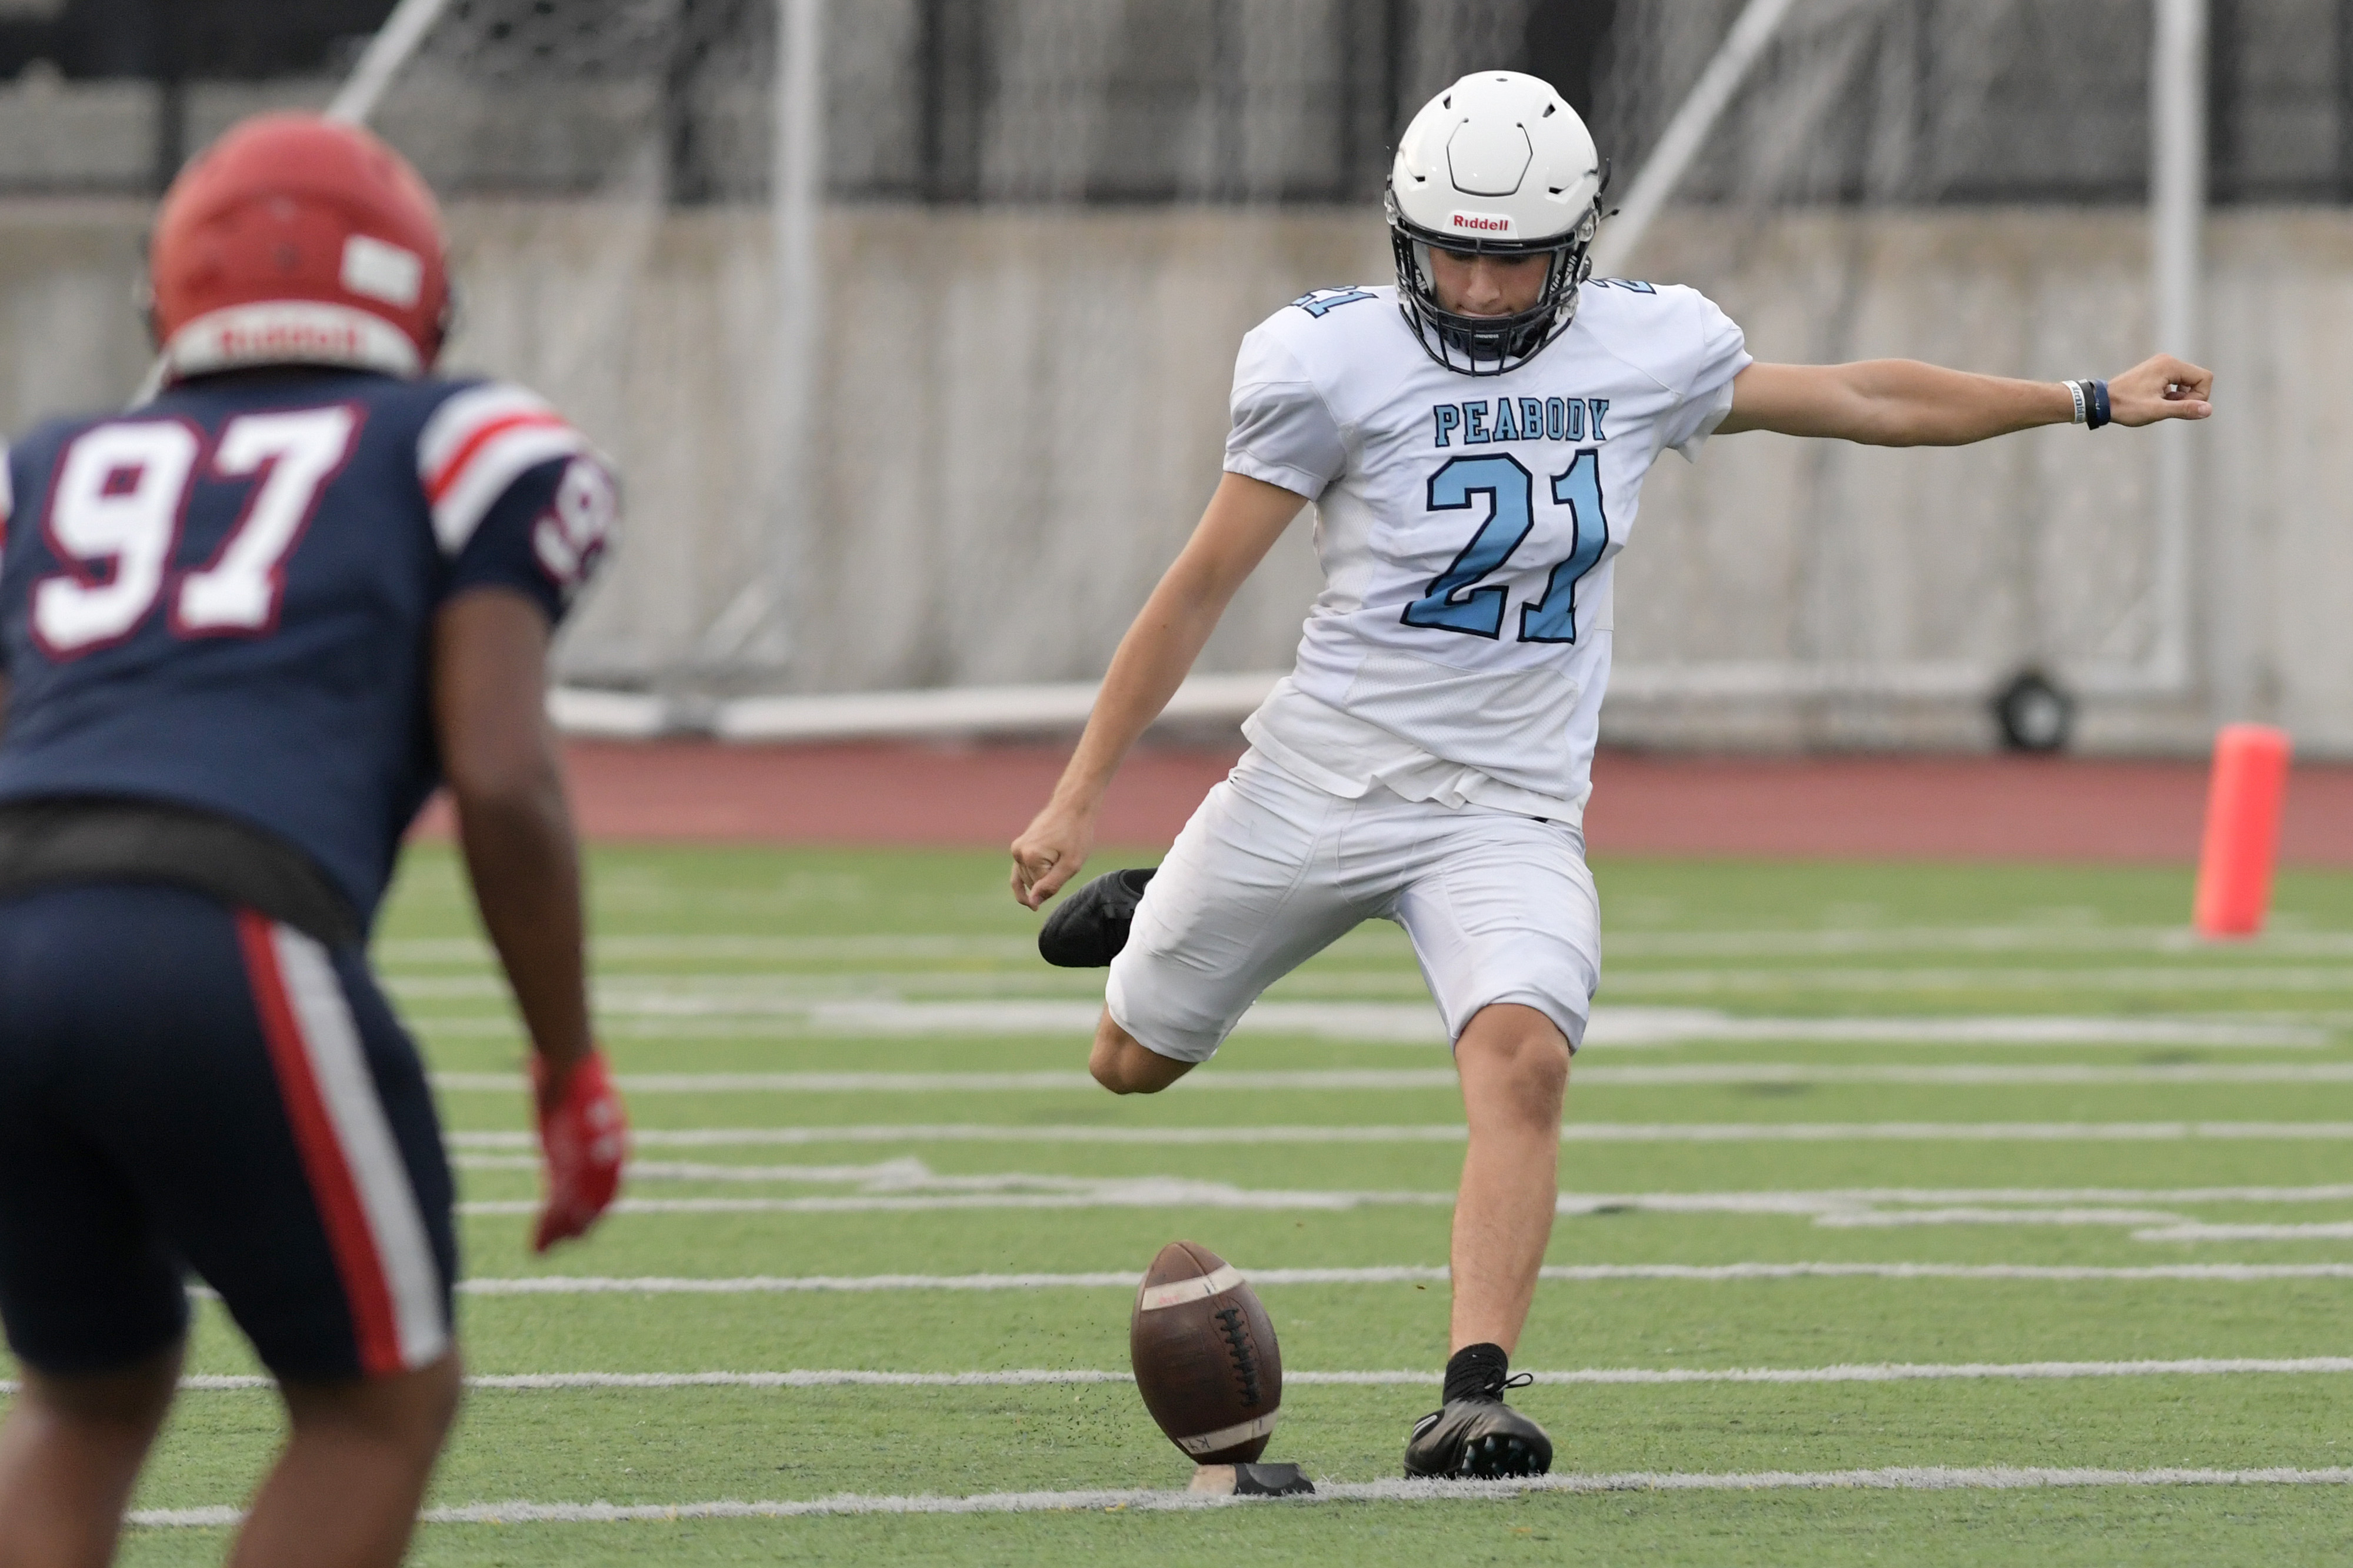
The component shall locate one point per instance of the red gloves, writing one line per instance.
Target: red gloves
(586, 1134)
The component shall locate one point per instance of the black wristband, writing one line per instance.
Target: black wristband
(2099, 414)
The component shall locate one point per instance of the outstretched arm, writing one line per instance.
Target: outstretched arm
(1904, 402)
(1243, 520)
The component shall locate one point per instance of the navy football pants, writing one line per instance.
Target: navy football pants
(188, 1088)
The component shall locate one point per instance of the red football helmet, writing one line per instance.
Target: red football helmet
(298, 240)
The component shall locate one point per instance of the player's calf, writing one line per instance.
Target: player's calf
(346, 1490)
(69, 1454)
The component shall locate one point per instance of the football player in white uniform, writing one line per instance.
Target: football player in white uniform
(1475, 440)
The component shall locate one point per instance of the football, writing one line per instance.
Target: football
(1204, 1357)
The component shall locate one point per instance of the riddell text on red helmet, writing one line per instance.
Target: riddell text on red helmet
(288, 337)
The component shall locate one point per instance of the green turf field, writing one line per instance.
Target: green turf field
(853, 1072)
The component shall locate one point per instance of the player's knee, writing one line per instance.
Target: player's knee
(1538, 1068)
(1108, 1061)
(1521, 1048)
(1123, 1064)
(1117, 1070)
(411, 1414)
(438, 1400)
(135, 1395)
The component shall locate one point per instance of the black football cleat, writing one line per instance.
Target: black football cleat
(1091, 926)
(1479, 1438)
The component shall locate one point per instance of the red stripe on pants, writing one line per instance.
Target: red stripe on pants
(332, 1186)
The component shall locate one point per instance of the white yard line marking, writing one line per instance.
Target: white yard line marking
(2181, 1229)
(1149, 1192)
(1063, 1377)
(1623, 1026)
(1953, 939)
(889, 1175)
(788, 1005)
(1716, 980)
(1934, 1477)
(453, 952)
(446, 951)
(1405, 1274)
(1962, 1131)
(885, 1175)
(1857, 1219)
(1963, 1074)
(1575, 1133)
(1327, 1080)
(909, 1185)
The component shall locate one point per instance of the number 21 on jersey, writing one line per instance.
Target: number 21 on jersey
(1456, 602)
(114, 516)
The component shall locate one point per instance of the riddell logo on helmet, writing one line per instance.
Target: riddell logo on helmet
(297, 337)
(1481, 223)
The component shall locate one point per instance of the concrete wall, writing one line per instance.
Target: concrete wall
(1020, 415)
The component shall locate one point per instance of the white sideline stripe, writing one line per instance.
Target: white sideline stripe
(1060, 1377)
(1932, 1478)
(1574, 1132)
(1402, 1274)
(1329, 1079)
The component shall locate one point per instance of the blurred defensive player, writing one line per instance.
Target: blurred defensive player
(245, 629)
(1474, 439)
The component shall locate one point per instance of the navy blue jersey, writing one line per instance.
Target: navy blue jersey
(225, 598)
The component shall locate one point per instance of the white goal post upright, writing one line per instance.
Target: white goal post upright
(2173, 595)
(2177, 156)
(2178, 152)
(1687, 132)
(762, 613)
(381, 61)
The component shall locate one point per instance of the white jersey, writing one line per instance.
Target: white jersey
(1469, 530)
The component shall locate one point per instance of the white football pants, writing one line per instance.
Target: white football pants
(1271, 871)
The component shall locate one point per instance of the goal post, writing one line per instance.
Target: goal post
(909, 323)
(2177, 203)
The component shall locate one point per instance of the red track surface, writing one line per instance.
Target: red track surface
(1845, 807)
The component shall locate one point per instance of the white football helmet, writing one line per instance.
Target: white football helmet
(1498, 162)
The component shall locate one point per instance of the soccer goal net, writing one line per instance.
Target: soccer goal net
(910, 322)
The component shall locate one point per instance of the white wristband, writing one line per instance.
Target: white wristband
(2083, 402)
